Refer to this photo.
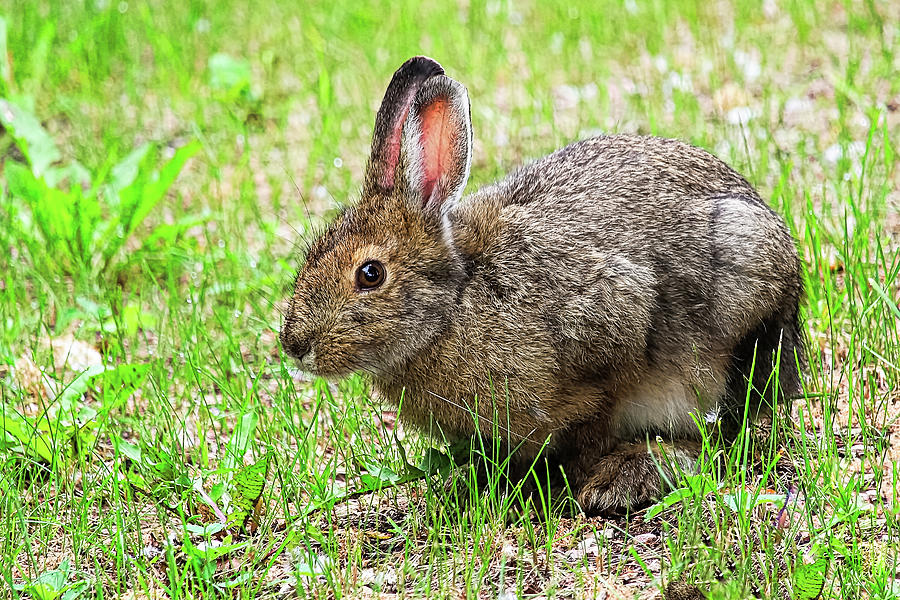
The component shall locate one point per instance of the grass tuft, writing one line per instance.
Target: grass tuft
(164, 164)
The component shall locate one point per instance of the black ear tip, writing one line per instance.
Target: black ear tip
(421, 66)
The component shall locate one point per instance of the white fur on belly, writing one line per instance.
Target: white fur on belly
(660, 405)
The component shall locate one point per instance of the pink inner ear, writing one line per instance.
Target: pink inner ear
(437, 147)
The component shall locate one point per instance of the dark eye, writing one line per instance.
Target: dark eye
(370, 275)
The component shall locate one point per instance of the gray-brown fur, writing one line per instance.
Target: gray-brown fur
(597, 296)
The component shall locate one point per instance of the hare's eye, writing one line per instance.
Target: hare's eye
(370, 275)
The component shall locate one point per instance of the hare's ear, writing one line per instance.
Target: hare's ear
(437, 144)
(401, 92)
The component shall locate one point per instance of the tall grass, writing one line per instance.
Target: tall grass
(140, 373)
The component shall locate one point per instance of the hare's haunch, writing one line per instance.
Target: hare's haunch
(619, 288)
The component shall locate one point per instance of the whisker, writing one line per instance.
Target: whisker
(490, 421)
(464, 407)
(299, 193)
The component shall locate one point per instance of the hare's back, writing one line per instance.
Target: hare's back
(650, 176)
(648, 199)
(654, 213)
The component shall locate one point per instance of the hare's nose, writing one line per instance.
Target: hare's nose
(295, 347)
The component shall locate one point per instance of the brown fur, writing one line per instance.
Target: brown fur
(604, 293)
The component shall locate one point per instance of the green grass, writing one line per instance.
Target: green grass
(107, 476)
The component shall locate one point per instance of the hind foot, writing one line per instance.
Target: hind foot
(633, 475)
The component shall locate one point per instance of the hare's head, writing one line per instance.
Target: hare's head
(378, 286)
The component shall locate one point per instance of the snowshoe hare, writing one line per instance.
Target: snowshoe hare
(617, 290)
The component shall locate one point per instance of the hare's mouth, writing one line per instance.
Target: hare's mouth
(303, 352)
(321, 364)
(308, 361)
(309, 365)
(317, 358)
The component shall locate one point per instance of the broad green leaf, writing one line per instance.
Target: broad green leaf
(210, 553)
(246, 491)
(411, 470)
(120, 382)
(78, 387)
(126, 171)
(205, 530)
(671, 499)
(129, 450)
(154, 470)
(46, 590)
(435, 462)
(136, 479)
(217, 491)
(73, 424)
(697, 486)
(809, 579)
(240, 580)
(50, 584)
(75, 590)
(51, 210)
(29, 135)
(159, 464)
(90, 307)
(134, 193)
(23, 183)
(378, 475)
(87, 212)
(154, 190)
(28, 434)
